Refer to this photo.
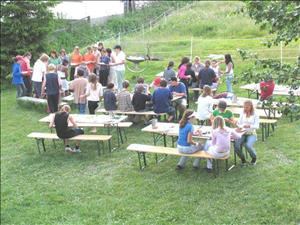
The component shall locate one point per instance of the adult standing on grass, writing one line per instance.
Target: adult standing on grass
(104, 67)
(169, 72)
(39, 71)
(17, 78)
(248, 122)
(185, 143)
(89, 59)
(183, 77)
(61, 121)
(78, 86)
(26, 72)
(76, 60)
(97, 56)
(63, 55)
(51, 86)
(229, 75)
(197, 67)
(119, 65)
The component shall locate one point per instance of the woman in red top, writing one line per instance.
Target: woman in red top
(76, 59)
(90, 59)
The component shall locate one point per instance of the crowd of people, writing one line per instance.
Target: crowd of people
(100, 74)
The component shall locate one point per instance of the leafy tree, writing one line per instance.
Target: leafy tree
(25, 26)
(282, 19)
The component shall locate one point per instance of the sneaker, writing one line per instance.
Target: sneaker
(178, 167)
(69, 149)
(253, 162)
(77, 150)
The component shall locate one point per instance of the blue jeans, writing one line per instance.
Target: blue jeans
(120, 78)
(229, 79)
(21, 90)
(81, 108)
(248, 141)
(188, 150)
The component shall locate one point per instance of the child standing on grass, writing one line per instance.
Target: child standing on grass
(93, 93)
(219, 146)
(17, 79)
(61, 121)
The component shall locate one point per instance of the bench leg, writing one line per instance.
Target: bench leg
(144, 158)
(43, 143)
(165, 140)
(109, 145)
(226, 164)
(263, 132)
(38, 145)
(142, 154)
(98, 148)
(120, 133)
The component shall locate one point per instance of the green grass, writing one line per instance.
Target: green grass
(58, 188)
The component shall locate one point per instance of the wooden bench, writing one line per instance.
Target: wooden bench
(146, 113)
(143, 149)
(40, 137)
(261, 112)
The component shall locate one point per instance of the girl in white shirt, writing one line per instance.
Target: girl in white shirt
(93, 93)
(249, 123)
(229, 72)
(205, 105)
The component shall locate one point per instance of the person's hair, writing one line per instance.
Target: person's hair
(206, 91)
(140, 88)
(51, 67)
(89, 48)
(185, 117)
(100, 43)
(140, 80)
(54, 52)
(63, 50)
(189, 65)
(110, 86)
(197, 57)
(163, 83)
(207, 63)
(65, 108)
(171, 64)
(125, 84)
(184, 60)
(80, 72)
(222, 104)
(118, 47)
(215, 61)
(218, 122)
(15, 59)
(93, 80)
(103, 51)
(27, 54)
(249, 102)
(228, 59)
(65, 62)
(173, 78)
(108, 50)
(44, 57)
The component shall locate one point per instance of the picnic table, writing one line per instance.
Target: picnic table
(107, 121)
(278, 90)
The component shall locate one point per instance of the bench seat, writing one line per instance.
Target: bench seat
(83, 137)
(146, 113)
(141, 149)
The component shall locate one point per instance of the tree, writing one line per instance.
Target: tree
(282, 19)
(129, 6)
(25, 26)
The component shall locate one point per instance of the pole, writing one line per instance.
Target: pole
(191, 48)
(119, 38)
(150, 27)
(281, 54)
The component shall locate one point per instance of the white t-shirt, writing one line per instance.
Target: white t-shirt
(94, 95)
(39, 70)
(205, 107)
(119, 58)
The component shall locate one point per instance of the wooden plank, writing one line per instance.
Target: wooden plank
(168, 151)
(261, 113)
(147, 113)
(82, 137)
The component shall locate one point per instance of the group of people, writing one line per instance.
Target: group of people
(223, 132)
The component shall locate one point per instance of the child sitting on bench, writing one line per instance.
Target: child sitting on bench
(61, 121)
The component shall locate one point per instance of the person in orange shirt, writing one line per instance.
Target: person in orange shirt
(90, 59)
(76, 59)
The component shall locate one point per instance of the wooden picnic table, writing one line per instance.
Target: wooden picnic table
(106, 121)
(278, 90)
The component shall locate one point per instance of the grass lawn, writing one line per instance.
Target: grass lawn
(59, 188)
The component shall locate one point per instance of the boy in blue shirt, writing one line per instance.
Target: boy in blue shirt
(178, 89)
(161, 100)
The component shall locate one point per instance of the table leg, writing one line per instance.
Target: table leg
(38, 144)
(43, 143)
(98, 148)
